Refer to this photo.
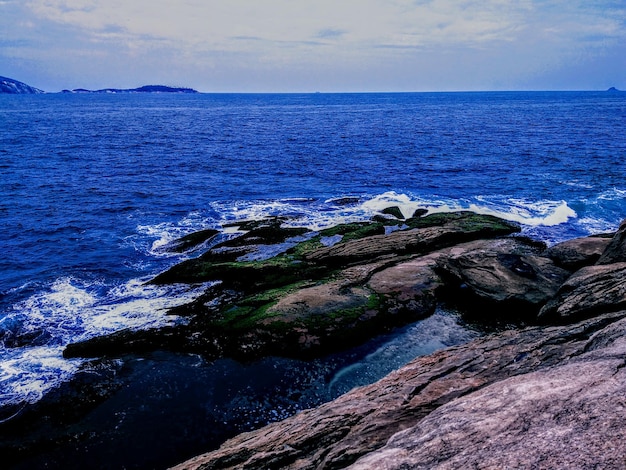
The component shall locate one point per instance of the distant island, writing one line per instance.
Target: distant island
(143, 89)
(15, 87)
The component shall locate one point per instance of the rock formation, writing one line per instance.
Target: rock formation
(315, 297)
(539, 397)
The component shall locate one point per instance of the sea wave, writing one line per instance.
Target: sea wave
(317, 214)
(530, 213)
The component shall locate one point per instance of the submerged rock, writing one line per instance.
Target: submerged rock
(394, 211)
(193, 240)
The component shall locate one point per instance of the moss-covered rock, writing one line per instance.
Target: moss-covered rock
(336, 288)
(394, 212)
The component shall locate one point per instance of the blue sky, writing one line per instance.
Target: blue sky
(321, 45)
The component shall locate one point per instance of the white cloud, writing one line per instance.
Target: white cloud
(325, 38)
(363, 23)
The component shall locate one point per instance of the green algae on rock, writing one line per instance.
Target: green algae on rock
(313, 297)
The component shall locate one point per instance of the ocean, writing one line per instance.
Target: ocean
(94, 187)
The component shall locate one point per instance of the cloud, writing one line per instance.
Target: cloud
(330, 33)
(363, 23)
(286, 40)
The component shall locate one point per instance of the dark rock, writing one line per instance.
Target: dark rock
(345, 201)
(192, 240)
(130, 341)
(394, 212)
(616, 250)
(577, 253)
(408, 288)
(434, 233)
(500, 279)
(220, 262)
(590, 291)
(419, 213)
(516, 399)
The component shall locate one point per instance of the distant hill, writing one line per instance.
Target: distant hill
(13, 87)
(143, 89)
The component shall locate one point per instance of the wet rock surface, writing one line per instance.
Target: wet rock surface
(506, 279)
(579, 252)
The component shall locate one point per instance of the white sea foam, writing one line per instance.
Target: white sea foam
(317, 215)
(164, 233)
(405, 203)
(27, 373)
(613, 194)
(547, 213)
(531, 213)
(72, 310)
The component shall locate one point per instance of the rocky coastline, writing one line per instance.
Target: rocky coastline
(547, 396)
(543, 390)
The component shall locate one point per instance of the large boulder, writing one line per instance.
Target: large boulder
(410, 285)
(590, 291)
(578, 252)
(516, 399)
(504, 279)
(616, 250)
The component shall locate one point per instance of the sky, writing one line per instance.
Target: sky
(320, 45)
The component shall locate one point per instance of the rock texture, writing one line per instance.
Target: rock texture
(579, 252)
(590, 290)
(615, 252)
(504, 275)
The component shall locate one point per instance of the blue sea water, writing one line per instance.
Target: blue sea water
(93, 187)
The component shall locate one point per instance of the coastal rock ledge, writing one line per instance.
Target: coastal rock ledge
(544, 396)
